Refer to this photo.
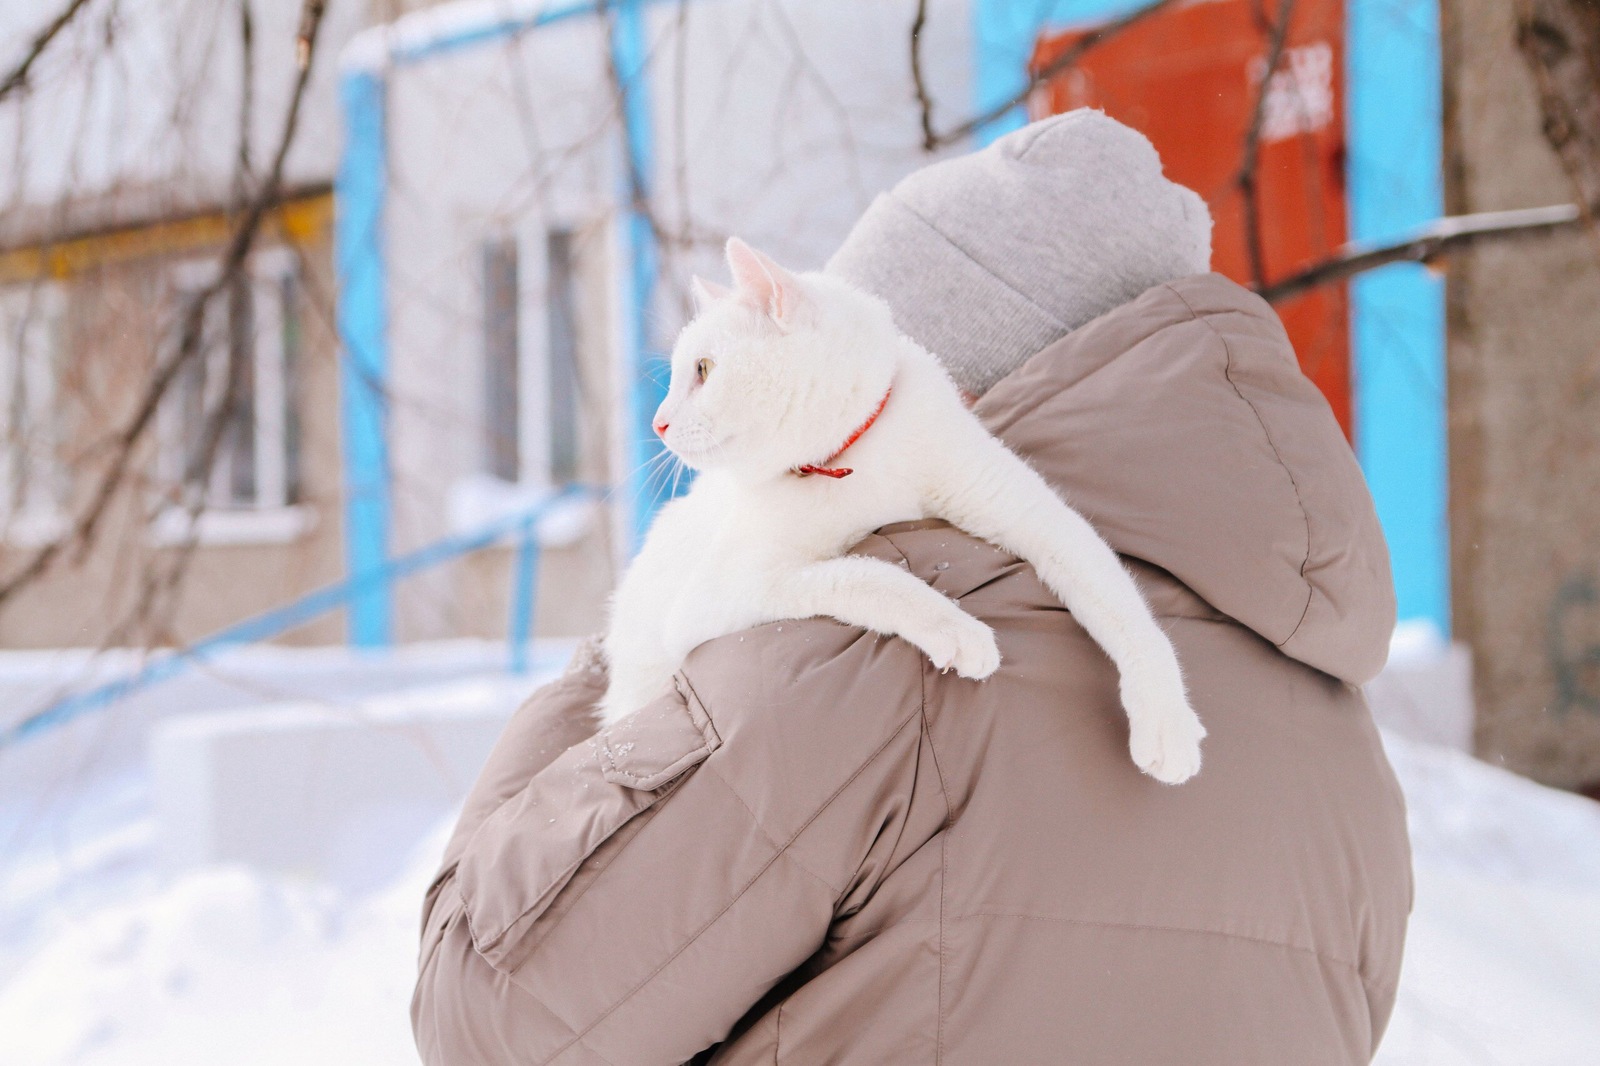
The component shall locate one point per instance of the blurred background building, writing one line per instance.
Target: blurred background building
(522, 189)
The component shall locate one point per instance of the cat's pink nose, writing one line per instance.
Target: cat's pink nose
(661, 429)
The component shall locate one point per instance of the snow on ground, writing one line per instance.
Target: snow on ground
(1503, 954)
(224, 966)
(106, 960)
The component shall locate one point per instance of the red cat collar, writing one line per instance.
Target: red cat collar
(844, 471)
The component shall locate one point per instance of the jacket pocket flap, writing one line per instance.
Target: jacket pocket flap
(524, 854)
(657, 743)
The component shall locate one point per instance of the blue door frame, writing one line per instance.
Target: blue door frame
(361, 189)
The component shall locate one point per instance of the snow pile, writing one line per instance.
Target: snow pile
(1503, 954)
(224, 965)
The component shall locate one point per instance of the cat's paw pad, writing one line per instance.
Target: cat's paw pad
(968, 647)
(1164, 739)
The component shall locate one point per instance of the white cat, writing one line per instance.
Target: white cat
(813, 421)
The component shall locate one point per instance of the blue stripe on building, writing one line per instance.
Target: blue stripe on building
(1397, 313)
(363, 318)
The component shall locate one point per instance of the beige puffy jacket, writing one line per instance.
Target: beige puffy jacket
(820, 850)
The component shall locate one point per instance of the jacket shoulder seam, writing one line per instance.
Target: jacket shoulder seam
(1305, 518)
(944, 835)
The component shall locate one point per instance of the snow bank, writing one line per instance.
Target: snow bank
(224, 965)
(1503, 954)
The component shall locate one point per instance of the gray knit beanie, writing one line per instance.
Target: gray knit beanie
(989, 257)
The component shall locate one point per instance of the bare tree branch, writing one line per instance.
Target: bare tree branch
(19, 74)
(1049, 71)
(305, 39)
(1249, 162)
(86, 528)
(1440, 238)
(930, 141)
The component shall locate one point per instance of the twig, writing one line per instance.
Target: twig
(19, 74)
(247, 97)
(305, 39)
(1049, 71)
(1250, 159)
(1441, 237)
(930, 140)
(86, 529)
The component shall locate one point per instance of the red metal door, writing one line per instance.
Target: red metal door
(1189, 77)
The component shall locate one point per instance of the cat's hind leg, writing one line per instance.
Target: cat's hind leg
(887, 599)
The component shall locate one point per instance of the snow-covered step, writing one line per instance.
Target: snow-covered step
(322, 790)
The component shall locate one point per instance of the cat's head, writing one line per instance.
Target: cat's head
(775, 372)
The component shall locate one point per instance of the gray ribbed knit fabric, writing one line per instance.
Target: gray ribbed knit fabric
(987, 258)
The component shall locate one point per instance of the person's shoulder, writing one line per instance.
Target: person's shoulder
(810, 675)
(801, 709)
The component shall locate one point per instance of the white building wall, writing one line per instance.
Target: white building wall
(776, 121)
(149, 126)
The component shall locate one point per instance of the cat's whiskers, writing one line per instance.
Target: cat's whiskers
(643, 476)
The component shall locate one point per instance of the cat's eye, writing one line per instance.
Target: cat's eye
(702, 369)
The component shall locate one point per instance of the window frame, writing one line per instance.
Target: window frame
(273, 514)
(41, 516)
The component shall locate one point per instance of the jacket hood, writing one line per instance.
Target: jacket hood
(1181, 426)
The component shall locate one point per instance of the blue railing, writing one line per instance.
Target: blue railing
(522, 527)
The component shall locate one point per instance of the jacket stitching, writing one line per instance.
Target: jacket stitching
(870, 759)
(466, 916)
(944, 835)
(1158, 928)
(657, 797)
(779, 848)
(591, 1049)
(1227, 372)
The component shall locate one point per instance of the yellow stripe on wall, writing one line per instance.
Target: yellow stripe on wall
(302, 220)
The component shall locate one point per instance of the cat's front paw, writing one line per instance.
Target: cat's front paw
(1164, 736)
(965, 645)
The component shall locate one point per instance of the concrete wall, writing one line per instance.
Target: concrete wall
(1524, 409)
(117, 319)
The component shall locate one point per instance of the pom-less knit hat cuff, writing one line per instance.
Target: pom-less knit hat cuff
(925, 277)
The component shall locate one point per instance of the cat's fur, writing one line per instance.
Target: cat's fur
(799, 363)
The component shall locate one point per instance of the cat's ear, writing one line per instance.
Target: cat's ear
(763, 282)
(706, 293)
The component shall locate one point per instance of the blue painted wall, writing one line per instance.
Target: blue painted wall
(1397, 313)
(363, 315)
(1395, 183)
(648, 484)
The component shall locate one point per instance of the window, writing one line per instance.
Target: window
(33, 479)
(255, 458)
(531, 383)
(502, 361)
(564, 399)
